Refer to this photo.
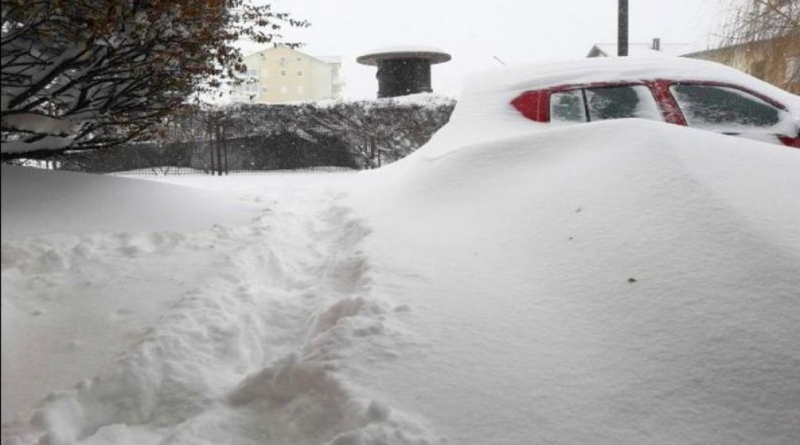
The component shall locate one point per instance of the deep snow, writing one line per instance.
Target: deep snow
(621, 282)
(234, 334)
(618, 282)
(36, 202)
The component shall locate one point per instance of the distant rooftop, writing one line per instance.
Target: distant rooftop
(326, 59)
(330, 59)
(641, 50)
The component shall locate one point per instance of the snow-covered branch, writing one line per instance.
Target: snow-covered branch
(84, 74)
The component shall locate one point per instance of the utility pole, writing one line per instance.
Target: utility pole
(622, 28)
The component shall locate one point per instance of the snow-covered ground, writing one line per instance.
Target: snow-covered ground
(613, 283)
(618, 282)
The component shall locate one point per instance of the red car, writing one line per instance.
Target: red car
(686, 92)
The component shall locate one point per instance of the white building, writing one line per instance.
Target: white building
(281, 74)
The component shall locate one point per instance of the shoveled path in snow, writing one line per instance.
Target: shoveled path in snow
(264, 348)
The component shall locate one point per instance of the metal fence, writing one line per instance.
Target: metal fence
(311, 137)
(215, 156)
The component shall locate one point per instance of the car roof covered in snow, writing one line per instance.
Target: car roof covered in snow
(609, 69)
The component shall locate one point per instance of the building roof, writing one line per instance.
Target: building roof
(336, 60)
(331, 60)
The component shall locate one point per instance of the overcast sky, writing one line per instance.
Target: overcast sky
(475, 32)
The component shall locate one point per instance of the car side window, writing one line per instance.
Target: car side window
(567, 106)
(720, 108)
(622, 102)
(602, 103)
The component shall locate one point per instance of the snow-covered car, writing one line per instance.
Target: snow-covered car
(679, 91)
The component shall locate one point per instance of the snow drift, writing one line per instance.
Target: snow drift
(40, 202)
(619, 282)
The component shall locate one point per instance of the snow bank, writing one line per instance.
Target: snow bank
(88, 263)
(44, 202)
(616, 282)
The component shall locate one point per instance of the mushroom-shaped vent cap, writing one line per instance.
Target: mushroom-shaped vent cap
(433, 55)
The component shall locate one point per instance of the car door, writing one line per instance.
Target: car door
(732, 110)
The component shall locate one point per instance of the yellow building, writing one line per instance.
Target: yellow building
(776, 61)
(278, 75)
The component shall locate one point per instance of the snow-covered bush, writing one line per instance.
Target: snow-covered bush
(354, 134)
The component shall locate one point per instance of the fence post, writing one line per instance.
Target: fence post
(225, 148)
(219, 146)
(210, 139)
(372, 152)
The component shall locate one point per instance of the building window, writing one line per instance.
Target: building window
(264, 89)
(793, 70)
(283, 72)
(299, 74)
(283, 61)
(251, 73)
(299, 59)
